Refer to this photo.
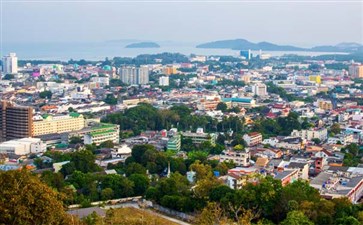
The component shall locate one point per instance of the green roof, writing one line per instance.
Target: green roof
(101, 132)
(103, 125)
(61, 145)
(45, 116)
(74, 114)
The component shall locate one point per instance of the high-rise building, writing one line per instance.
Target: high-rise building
(16, 121)
(259, 89)
(10, 64)
(246, 54)
(134, 75)
(356, 70)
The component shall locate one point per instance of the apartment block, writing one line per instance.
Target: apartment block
(48, 124)
(16, 121)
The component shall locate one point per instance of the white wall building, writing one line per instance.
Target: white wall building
(240, 158)
(259, 89)
(321, 134)
(164, 81)
(10, 64)
(134, 75)
(23, 146)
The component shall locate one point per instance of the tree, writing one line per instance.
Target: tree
(316, 141)
(335, 128)
(141, 183)
(110, 99)
(212, 214)
(296, 218)
(135, 168)
(107, 194)
(84, 161)
(26, 200)
(203, 171)
(45, 94)
(222, 106)
(107, 144)
(121, 186)
(9, 77)
(76, 140)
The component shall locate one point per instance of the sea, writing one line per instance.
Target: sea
(101, 50)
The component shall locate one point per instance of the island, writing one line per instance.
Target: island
(143, 45)
(243, 44)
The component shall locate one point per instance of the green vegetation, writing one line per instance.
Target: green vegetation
(110, 99)
(45, 94)
(9, 77)
(24, 199)
(131, 216)
(146, 117)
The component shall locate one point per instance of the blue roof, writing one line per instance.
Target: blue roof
(244, 100)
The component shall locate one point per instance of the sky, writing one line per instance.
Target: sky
(303, 23)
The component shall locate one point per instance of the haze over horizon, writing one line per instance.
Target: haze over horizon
(299, 23)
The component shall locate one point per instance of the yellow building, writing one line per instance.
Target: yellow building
(315, 79)
(325, 105)
(356, 71)
(48, 124)
(170, 70)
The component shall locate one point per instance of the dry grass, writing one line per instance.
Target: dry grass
(132, 216)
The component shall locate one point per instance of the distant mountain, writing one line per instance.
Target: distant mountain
(242, 44)
(341, 47)
(143, 45)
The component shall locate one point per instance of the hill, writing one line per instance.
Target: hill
(243, 44)
(143, 45)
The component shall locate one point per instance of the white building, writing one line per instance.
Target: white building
(321, 134)
(253, 138)
(259, 89)
(134, 75)
(23, 146)
(10, 64)
(101, 81)
(240, 158)
(164, 81)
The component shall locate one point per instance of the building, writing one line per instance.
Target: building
(240, 158)
(321, 134)
(356, 70)
(200, 137)
(247, 54)
(339, 182)
(23, 146)
(10, 64)
(101, 133)
(48, 124)
(209, 103)
(164, 81)
(169, 70)
(243, 102)
(287, 176)
(174, 143)
(324, 104)
(259, 89)
(16, 121)
(253, 138)
(315, 78)
(134, 75)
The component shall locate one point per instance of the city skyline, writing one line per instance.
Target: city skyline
(280, 22)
